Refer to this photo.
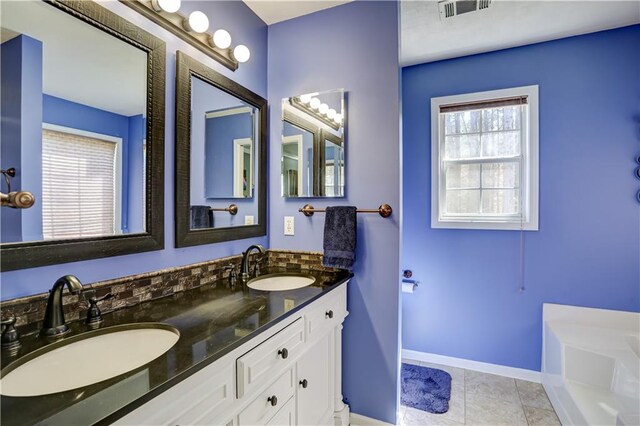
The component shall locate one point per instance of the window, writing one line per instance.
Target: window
(80, 184)
(484, 149)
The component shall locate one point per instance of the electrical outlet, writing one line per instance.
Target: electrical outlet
(288, 225)
(248, 220)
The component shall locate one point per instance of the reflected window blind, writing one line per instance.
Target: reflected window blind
(78, 186)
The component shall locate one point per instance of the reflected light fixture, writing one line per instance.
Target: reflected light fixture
(305, 99)
(169, 6)
(197, 22)
(338, 118)
(323, 108)
(241, 53)
(315, 103)
(222, 39)
(331, 113)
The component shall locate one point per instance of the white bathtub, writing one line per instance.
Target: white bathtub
(591, 365)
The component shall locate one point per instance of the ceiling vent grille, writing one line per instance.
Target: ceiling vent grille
(451, 8)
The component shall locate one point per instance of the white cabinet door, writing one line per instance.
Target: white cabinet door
(315, 384)
(286, 415)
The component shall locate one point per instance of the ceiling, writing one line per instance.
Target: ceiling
(80, 63)
(273, 11)
(506, 23)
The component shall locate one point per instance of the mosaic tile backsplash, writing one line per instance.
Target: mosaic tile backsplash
(134, 289)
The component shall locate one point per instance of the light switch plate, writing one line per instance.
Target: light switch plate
(248, 220)
(288, 225)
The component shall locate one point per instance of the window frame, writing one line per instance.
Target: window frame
(527, 221)
(118, 171)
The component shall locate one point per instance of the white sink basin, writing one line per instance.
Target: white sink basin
(86, 359)
(280, 282)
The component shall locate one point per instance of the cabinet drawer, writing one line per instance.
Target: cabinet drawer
(262, 409)
(274, 354)
(196, 400)
(328, 314)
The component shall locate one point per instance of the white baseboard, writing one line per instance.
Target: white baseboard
(483, 367)
(360, 420)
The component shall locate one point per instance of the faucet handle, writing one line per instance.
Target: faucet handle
(10, 337)
(94, 316)
(233, 275)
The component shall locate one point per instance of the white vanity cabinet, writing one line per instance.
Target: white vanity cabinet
(287, 375)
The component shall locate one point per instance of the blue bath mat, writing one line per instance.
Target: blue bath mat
(427, 389)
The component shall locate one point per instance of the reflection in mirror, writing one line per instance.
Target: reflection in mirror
(73, 125)
(223, 142)
(313, 145)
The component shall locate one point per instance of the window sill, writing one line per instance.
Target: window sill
(487, 226)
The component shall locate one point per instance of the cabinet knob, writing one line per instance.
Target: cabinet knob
(328, 314)
(304, 383)
(273, 400)
(284, 353)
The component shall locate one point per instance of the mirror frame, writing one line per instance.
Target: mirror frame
(41, 253)
(187, 67)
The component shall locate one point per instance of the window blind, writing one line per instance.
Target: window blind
(78, 186)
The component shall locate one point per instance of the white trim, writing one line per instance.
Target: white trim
(467, 364)
(119, 154)
(230, 111)
(360, 420)
(239, 146)
(531, 162)
(297, 139)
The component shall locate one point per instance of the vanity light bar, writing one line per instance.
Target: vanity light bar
(193, 30)
(313, 108)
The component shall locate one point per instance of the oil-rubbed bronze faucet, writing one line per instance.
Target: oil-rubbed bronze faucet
(244, 267)
(54, 324)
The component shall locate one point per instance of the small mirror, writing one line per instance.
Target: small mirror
(313, 145)
(82, 130)
(221, 145)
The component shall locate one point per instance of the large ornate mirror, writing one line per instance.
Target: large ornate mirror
(313, 145)
(82, 130)
(220, 157)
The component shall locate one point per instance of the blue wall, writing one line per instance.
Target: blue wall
(245, 27)
(361, 38)
(21, 137)
(586, 252)
(220, 133)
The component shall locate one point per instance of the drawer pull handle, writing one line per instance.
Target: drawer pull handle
(284, 353)
(328, 314)
(273, 400)
(304, 383)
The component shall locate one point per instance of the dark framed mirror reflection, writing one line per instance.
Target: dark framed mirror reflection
(221, 134)
(83, 105)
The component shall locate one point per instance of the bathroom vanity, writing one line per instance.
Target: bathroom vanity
(287, 375)
(244, 357)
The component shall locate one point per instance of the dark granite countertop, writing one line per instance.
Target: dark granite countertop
(212, 320)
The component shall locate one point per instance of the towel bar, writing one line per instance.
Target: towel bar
(384, 210)
(232, 209)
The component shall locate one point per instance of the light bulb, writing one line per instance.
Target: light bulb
(241, 53)
(331, 113)
(169, 6)
(323, 108)
(222, 39)
(338, 118)
(305, 99)
(315, 103)
(197, 21)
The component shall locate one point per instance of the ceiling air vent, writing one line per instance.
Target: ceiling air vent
(451, 8)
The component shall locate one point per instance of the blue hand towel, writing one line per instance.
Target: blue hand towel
(340, 229)
(201, 217)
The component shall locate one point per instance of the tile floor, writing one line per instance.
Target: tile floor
(486, 399)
